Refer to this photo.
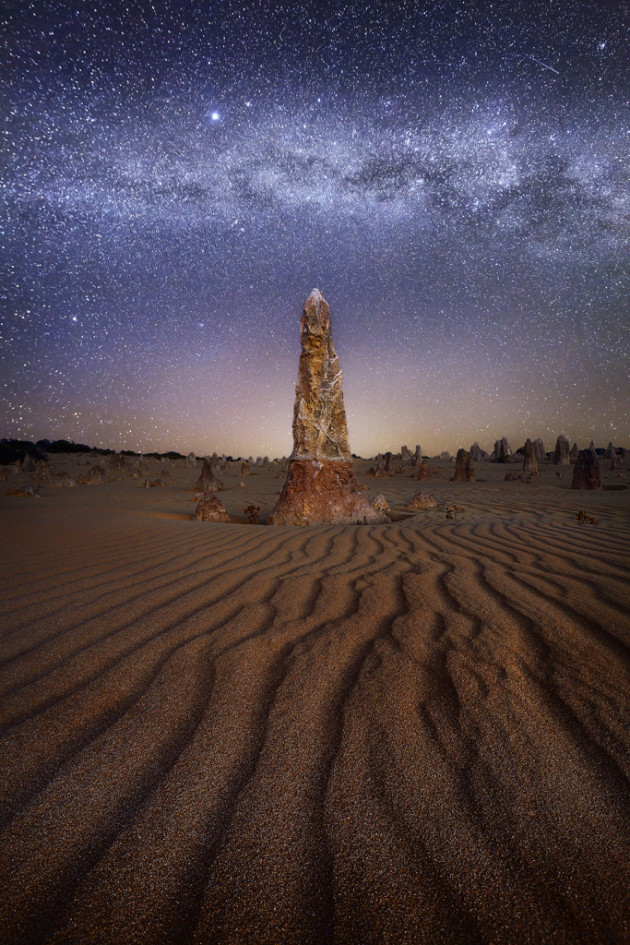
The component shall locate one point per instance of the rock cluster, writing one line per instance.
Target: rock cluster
(320, 487)
(573, 453)
(586, 472)
(501, 452)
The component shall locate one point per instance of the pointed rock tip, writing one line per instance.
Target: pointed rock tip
(316, 313)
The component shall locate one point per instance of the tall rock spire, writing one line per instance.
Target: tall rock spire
(320, 487)
(319, 417)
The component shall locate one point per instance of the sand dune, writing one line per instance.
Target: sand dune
(414, 732)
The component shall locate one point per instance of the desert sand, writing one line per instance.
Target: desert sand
(405, 733)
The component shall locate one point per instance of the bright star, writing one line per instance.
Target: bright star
(215, 116)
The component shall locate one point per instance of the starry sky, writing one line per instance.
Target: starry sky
(178, 176)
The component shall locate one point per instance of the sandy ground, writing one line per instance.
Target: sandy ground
(414, 732)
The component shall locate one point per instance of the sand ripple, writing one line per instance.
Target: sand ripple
(365, 734)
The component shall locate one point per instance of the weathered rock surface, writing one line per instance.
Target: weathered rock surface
(464, 467)
(573, 453)
(539, 450)
(191, 460)
(422, 500)
(530, 462)
(210, 509)
(586, 472)
(610, 451)
(320, 487)
(445, 457)
(561, 452)
(245, 471)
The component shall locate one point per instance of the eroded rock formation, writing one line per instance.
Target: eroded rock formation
(573, 454)
(530, 462)
(320, 487)
(422, 500)
(561, 452)
(477, 454)
(587, 472)
(539, 450)
(207, 481)
(423, 471)
(417, 456)
(464, 467)
(502, 452)
(379, 502)
(210, 509)
(95, 475)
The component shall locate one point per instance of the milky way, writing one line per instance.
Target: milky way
(453, 177)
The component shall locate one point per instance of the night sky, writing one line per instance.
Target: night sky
(179, 176)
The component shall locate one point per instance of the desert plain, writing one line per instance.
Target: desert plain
(415, 732)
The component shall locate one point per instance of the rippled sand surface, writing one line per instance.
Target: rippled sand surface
(409, 733)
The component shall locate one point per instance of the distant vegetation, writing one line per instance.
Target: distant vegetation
(13, 450)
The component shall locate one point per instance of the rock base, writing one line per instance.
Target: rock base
(323, 492)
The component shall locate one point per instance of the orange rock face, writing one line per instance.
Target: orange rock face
(320, 487)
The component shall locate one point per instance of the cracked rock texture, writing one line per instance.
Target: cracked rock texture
(320, 487)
